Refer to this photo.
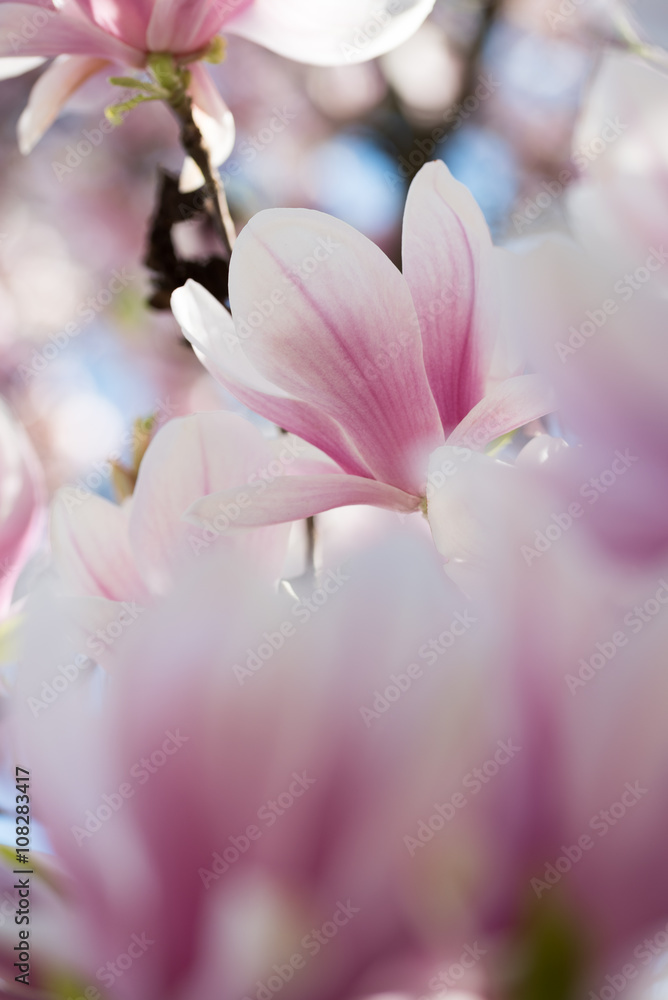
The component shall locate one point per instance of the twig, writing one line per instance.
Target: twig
(310, 544)
(193, 144)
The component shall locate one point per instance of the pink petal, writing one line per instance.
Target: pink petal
(246, 740)
(52, 90)
(58, 32)
(510, 405)
(327, 317)
(21, 502)
(124, 19)
(330, 32)
(210, 329)
(184, 26)
(91, 547)
(446, 246)
(215, 122)
(291, 498)
(191, 457)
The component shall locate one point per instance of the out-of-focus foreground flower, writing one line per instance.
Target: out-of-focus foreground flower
(368, 789)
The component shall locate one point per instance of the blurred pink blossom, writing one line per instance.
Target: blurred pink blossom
(593, 324)
(134, 551)
(469, 776)
(300, 731)
(21, 503)
(619, 207)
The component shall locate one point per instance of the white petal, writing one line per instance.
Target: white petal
(330, 32)
(53, 89)
(16, 66)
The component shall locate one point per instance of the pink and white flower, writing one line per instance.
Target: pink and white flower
(593, 319)
(376, 368)
(109, 554)
(465, 778)
(329, 790)
(87, 36)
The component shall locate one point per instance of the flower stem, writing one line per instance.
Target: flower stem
(192, 142)
(310, 544)
(170, 82)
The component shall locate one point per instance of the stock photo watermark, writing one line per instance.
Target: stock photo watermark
(85, 314)
(595, 319)
(635, 621)
(424, 149)
(140, 772)
(451, 978)
(256, 483)
(591, 491)
(647, 953)
(400, 683)
(113, 970)
(551, 191)
(306, 607)
(354, 48)
(312, 943)
(268, 814)
(76, 154)
(30, 27)
(473, 782)
(263, 309)
(601, 823)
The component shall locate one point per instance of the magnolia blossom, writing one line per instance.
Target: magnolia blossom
(378, 369)
(593, 323)
(618, 209)
(591, 312)
(21, 503)
(88, 36)
(112, 554)
(584, 652)
(381, 785)
(304, 792)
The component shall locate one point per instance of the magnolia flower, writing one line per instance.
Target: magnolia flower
(619, 209)
(593, 324)
(591, 312)
(267, 721)
(21, 503)
(376, 368)
(87, 36)
(113, 554)
(383, 781)
(585, 653)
